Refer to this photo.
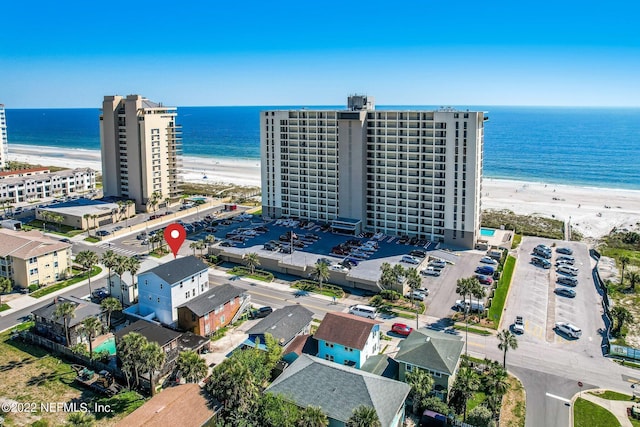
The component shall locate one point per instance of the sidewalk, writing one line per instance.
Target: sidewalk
(616, 407)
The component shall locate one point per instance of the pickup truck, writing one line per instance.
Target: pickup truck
(518, 325)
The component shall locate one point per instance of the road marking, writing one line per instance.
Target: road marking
(287, 300)
(558, 397)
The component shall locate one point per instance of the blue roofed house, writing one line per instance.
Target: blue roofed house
(283, 324)
(338, 390)
(347, 339)
(432, 351)
(162, 289)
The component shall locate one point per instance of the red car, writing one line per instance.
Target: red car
(401, 329)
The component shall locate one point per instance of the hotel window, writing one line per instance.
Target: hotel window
(409, 368)
(186, 295)
(327, 344)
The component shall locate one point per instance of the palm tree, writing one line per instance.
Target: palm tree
(132, 266)
(45, 215)
(621, 316)
(313, 416)
(154, 199)
(153, 359)
(624, 261)
(81, 419)
(200, 245)
(91, 328)
(126, 207)
(65, 311)
(209, 240)
(464, 287)
(633, 277)
(364, 416)
(400, 274)
(129, 350)
(192, 367)
(110, 305)
(387, 279)
(109, 260)
(477, 290)
(251, 260)
(421, 383)
(87, 259)
(507, 341)
(320, 273)
(5, 287)
(86, 217)
(466, 384)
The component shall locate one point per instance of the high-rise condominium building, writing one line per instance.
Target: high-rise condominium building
(4, 147)
(399, 172)
(141, 145)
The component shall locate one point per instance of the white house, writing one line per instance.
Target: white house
(162, 289)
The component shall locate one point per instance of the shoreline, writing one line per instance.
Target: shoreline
(593, 211)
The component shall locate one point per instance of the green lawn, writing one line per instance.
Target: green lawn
(4, 307)
(472, 330)
(587, 414)
(617, 253)
(312, 286)
(477, 399)
(500, 296)
(52, 288)
(516, 241)
(613, 395)
(239, 270)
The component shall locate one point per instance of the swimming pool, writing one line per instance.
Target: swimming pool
(109, 345)
(487, 232)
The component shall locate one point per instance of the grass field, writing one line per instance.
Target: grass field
(472, 330)
(513, 409)
(587, 414)
(613, 395)
(500, 296)
(52, 288)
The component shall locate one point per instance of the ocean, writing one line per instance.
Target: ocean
(597, 147)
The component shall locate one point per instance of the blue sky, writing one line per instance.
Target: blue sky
(189, 53)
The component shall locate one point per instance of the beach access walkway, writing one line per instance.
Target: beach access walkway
(617, 407)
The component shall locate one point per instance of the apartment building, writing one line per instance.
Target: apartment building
(400, 172)
(141, 147)
(29, 185)
(31, 258)
(4, 147)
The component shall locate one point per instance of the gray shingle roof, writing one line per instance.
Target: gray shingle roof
(84, 310)
(431, 350)
(381, 364)
(151, 331)
(212, 299)
(283, 324)
(178, 269)
(345, 329)
(339, 389)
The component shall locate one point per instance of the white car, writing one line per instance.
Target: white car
(416, 295)
(568, 329)
(518, 325)
(430, 271)
(409, 259)
(488, 260)
(338, 267)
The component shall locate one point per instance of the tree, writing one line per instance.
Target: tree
(153, 359)
(387, 278)
(413, 278)
(65, 311)
(275, 411)
(87, 259)
(466, 384)
(634, 278)
(109, 259)
(200, 246)
(233, 385)
(5, 287)
(421, 383)
(191, 366)
(507, 341)
(154, 199)
(313, 416)
(434, 403)
(274, 351)
(621, 316)
(624, 261)
(320, 273)
(481, 416)
(129, 350)
(132, 266)
(252, 260)
(87, 217)
(210, 239)
(81, 419)
(194, 246)
(464, 286)
(364, 416)
(91, 328)
(477, 290)
(110, 304)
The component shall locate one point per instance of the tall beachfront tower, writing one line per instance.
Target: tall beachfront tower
(141, 147)
(399, 172)
(4, 144)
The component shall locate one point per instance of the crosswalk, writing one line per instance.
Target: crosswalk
(117, 249)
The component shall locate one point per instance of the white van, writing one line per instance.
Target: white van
(567, 269)
(569, 329)
(364, 311)
(470, 305)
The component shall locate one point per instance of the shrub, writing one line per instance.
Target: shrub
(390, 295)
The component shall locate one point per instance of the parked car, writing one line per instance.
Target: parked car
(567, 280)
(567, 259)
(226, 244)
(567, 269)
(350, 261)
(488, 260)
(568, 329)
(324, 261)
(65, 240)
(485, 269)
(261, 312)
(518, 325)
(565, 292)
(409, 259)
(339, 267)
(430, 271)
(437, 263)
(544, 247)
(401, 329)
(118, 228)
(565, 251)
(540, 262)
(542, 253)
(416, 295)
(100, 293)
(485, 280)
(418, 253)
(102, 233)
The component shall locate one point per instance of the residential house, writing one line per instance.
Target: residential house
(163, 289)
(166, 338)
(348, 339)
(433, 351)
(212, 310)
(121, 288)
(52, 327)
(31, 258)
(173, 407)
(338, 390)
(283, 324)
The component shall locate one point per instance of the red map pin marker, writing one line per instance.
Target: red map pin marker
(175, 234)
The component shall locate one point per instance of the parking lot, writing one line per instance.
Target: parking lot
(532, 296)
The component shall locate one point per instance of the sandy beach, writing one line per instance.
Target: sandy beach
(593, 211)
